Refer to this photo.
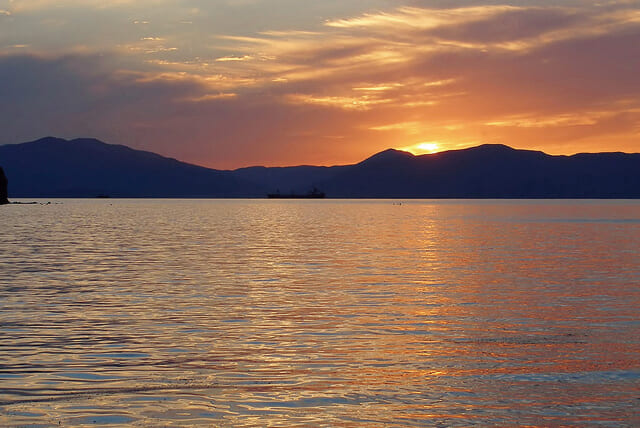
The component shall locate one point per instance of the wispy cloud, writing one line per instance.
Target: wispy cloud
(533, 75)
(364, 102)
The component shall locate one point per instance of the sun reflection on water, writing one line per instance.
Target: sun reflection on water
(241, 313)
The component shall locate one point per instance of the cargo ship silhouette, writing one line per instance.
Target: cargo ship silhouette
(313, 194)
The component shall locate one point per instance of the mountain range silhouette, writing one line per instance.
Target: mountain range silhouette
(85, 167)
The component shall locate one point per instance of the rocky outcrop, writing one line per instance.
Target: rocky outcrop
(3, 188)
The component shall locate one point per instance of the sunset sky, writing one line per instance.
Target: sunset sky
(231, 83)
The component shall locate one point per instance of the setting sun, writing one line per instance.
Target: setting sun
(423, 148)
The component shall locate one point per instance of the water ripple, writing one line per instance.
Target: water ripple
(316, 313)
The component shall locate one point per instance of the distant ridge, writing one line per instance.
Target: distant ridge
(86, 167)
(491, 171)
(387, 157)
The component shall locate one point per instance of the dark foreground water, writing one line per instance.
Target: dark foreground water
(313, 313)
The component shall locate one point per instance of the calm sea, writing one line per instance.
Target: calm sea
(315, 313)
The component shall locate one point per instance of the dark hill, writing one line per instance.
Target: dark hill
(490, 171)
(387, 158)
(53, 167)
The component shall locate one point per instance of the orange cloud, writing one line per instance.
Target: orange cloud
(556, 78)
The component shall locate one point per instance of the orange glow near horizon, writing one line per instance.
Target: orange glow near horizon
(296, 89)
(426, 147)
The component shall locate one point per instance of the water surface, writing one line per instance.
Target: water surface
(325, 312)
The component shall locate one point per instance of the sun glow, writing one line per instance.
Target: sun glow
(423, 148)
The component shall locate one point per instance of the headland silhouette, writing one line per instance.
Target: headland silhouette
(54, 167)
